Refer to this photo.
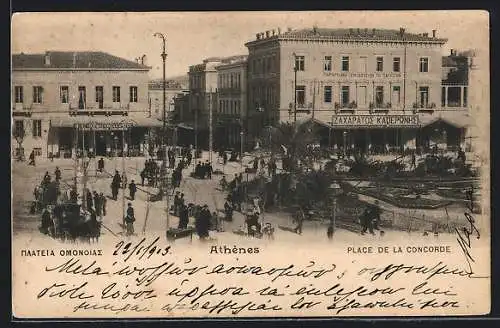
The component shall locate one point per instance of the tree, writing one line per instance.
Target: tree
(19, 133)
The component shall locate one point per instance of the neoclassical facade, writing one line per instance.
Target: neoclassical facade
(344, 78)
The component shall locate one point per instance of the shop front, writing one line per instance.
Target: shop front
(374, 134)
(109, 137)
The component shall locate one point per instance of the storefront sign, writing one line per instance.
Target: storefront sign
(104, 125)
(375, 121)
(363, 75)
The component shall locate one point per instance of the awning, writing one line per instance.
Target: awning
(108, 123)
(185, 126)
(458, 120)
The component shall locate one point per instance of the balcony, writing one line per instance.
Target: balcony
(424, 108)
(380, 107)
(117, 109)
(20, 109)
(349, 108)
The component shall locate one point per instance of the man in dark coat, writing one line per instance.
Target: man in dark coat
(183, 217)
(130, 219)
(143, 176)
(100, 165)
(57, 173)
(132, 188)
(90, 201)
(366, 221)
(203, 222)
(103, 203)
(97, 204)
(32, 158)
(115, 185)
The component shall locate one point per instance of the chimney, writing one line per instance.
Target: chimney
(143, 60)
(401, 31)
(47, 59)
(434, 33)
(452, 52)
(274, 32)
(267, 34)
(257, 36)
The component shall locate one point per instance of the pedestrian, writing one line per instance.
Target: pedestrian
(209, 170)
(300, 216)
(97, 204)
(202, 222)
(124, 180)
(103, 203)
(143, 176)
(115, 185)
(90, 201)
(129, 220)
(177, 198)
(57, 173)
(228, 210)
(183, 217)
(413, 163)
(100, 165)
(32, 158)
(366, 222)
(132, 188)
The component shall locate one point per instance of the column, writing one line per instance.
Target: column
(461, 96)
(445, 96)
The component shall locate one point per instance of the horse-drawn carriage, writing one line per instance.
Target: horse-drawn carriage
(68, 222)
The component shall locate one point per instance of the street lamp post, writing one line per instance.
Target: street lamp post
(163, 186)
(295, 68)
(335, 189)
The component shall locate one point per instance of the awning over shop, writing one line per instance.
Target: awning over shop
(458, 120)
(108, 123)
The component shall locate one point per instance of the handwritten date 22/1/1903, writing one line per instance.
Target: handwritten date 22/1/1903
(140, 249)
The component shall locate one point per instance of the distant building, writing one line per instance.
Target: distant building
(155, 94)
(230, 116)
(54, 92)
(373, 89)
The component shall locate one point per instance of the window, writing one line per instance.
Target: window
(424, 65)
(328, 94)
(18, 94)
(64, 94)
(301, 95)
(99, 96)
(19, 129)
(396, 64)
(379, 96)
(37, 151)
(396, 94)
(157, 105)
(345, 95)
(363, 64)
(231, 83)
(327, 64)
(37, 128)
(116, 94)
(300, 63)
(380, 64)
(345, 63)
(37, 95)
(133, 94)
(424, 96)
(82, 97)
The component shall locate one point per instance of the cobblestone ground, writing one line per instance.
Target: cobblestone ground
(196, 191)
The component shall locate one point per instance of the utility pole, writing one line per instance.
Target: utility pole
(210, 121)
(163, 172)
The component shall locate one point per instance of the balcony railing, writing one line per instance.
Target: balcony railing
(421, 107)
(20, 109)
(379, 107)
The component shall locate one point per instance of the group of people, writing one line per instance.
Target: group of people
(203, 170)
(95, 202)
(370, 219)
(150, 172)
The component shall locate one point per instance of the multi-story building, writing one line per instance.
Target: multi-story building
(64, 101)
(203, 98)
(230, 115)
(369, 88)
(155, 92)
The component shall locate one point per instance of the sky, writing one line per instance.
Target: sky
(193, 36)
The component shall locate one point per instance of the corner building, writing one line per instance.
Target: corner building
(373, 89)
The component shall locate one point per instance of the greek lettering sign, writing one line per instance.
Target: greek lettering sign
(104, 125)
(375, 121)
(363, 75)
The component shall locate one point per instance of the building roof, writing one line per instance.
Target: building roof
(361, 34)
(73, 60)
